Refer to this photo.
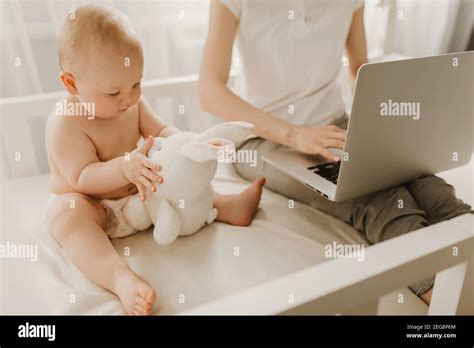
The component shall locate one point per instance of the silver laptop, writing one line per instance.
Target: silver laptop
(409, 118)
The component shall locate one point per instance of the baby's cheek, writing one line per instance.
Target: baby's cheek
(136, 94)
(106, 106)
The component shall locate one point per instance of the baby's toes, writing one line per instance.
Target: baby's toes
(147, 294)
(140, 310)
(146, 306)
(260, 181)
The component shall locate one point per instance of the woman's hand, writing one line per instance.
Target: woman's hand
(139, 170)
(316, 140)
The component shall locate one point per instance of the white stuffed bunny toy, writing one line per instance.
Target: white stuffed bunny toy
(183, 203)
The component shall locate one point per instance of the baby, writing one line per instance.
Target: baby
(93, 155)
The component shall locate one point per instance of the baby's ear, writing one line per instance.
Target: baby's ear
(233, 131)
(208, 150)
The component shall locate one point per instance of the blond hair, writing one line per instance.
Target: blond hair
(94, 27)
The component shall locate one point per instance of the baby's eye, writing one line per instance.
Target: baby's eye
(136, 85)
(113, 94)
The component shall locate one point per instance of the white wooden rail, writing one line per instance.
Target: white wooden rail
(335, 286)
(16, 114)
(340, 285)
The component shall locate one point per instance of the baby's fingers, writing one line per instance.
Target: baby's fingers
(147, 183)
(150, 175)
(141, 191)
(149, 164)
(146, 145)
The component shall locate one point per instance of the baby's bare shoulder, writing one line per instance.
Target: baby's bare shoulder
(61, 129)
(60, 121)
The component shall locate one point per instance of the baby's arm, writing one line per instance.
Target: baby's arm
(75, 156)
(150, 124)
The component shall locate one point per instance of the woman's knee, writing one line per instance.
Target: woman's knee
(254, 149)
(438, 198)
(387, 214)
(252, 167)
(245, 171)
(395, 227)
(431, 184)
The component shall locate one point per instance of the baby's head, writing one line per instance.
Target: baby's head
(101, 59)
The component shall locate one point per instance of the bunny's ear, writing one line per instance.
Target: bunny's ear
(233, 131)
(140, 142)
(157, 144)
(208, 150)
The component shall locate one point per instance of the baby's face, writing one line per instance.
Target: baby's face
(111, 81)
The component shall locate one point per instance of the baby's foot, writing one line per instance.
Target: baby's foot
(136, 295)
(239, 209)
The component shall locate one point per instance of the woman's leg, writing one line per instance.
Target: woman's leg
(276, 180)
(379, 216)
(437, 198)
(388, 214)
(281, 183)
(77, 223)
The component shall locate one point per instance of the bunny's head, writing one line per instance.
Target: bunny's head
(189, 160)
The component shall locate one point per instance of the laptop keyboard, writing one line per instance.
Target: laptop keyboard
(328, 171)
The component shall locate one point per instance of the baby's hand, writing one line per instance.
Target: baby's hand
(139, 170)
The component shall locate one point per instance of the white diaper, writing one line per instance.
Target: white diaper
(117, 224)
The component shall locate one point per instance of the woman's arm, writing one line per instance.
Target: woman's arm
(215, 96)
(218, 99)
(356, 47)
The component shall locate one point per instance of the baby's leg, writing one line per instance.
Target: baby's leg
(239, 209)
(77, 223)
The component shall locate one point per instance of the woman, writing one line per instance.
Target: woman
(290, 54)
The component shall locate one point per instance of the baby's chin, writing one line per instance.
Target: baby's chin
(109, 116)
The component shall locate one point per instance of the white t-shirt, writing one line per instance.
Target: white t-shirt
(289, 54)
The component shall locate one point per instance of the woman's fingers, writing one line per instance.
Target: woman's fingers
(336, 128)
(327, 154)
(338, 134)
(335, 143)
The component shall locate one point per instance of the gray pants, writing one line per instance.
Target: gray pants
(378, 215)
